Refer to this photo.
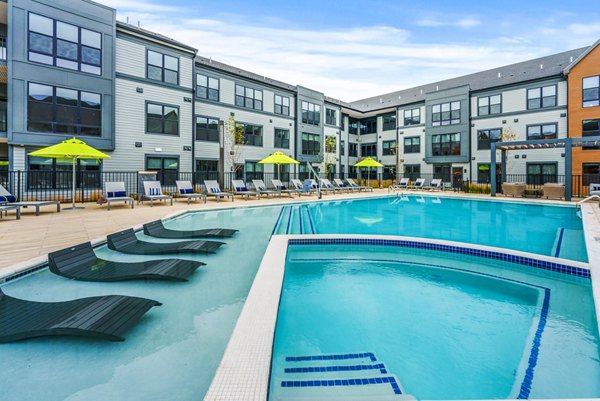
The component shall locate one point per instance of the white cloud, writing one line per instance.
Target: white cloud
(468, 22)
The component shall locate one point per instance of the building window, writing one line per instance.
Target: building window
(445, 114)
(330, 117)
(412, 144)
(248, 97)
(207, 87)
(368, 126)
(412, 171)
(368, 149)
(162, 119)
(590, 128)
(591, 173)
(63, 111)
(64, 45)
(48, 173)
(207, 129)
(352, 126)
(311, 113)
(282, 138)
(389, 148)
(486, 136)
(389, 173)
(389, 121)
(253, 134)
(311, 144)
(162, 67)
(342, 148)
(541, 173)
(205, 166)
(282, 105)
(412, 116)
(483, 173)
(167, 168)
(445, 145)
(538, 98)
(487, 105)
(353, 150)
(591, 91)
(542, 131)
(254, 171)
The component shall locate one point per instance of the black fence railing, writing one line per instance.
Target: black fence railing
(57, 184)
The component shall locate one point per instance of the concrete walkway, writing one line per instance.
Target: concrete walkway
(35, 236)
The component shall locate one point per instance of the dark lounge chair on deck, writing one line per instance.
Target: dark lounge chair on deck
(81, 263)
(106, 317)
(126, 241)
(158, 230)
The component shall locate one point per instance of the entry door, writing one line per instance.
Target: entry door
(457, 177)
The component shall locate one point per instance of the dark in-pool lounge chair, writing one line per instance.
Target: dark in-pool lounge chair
(106, 317)
(158, 230)
(127, 242)
(79, 262)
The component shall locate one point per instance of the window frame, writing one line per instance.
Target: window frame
(253, 134)
(450, 144)
(208, 131)
(208, 88)
(245, 98)
(412, 148)
(313, 150)
(411, 120)
(163, 68)
(328, 118)
(162, 105)
(551, 177)
(389, 121)
(597, 88)
(441, 121)
(541, 127)
(371, 146)
(352, 146)
(306, 113)
(281, 144)
(489, 105)
(489, 138)
(284, 110)
(541, 97)
(390, 150)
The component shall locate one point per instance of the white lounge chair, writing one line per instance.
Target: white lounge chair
(435, 185)
(240, 188)
(262, 189)
(594, 189)
(213, 189)
(278, 185)
(186, 190)
(340, 184)
(402, 184)
(419, 184)
(358, 187)
(327, 185)
(153, 191)
(114, 191)
(306, 189)
(6, 198)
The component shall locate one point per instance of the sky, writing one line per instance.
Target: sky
(355, 49)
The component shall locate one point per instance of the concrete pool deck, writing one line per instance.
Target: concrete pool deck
(29, 240)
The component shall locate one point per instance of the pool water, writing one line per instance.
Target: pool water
(448, 326)
(536, 228)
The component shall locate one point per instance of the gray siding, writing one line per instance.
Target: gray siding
(308, 95)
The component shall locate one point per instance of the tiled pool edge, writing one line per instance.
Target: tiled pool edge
(241, 375)
(590, 215)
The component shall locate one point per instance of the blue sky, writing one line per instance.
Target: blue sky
(356, 49)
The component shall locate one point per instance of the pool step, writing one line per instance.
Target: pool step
(350, 376)
(567, 243)
(294, 219)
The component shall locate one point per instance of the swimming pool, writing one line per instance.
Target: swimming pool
(447, 325)
(175, 350)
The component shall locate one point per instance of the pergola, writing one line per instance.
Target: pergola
(566, 143)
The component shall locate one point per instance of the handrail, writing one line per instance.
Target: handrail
(317, 179)
(581, 202)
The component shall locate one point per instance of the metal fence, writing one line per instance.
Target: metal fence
(57, 184)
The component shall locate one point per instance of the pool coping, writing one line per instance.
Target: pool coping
(243, 373)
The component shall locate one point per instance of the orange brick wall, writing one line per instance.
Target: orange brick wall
(588, 66)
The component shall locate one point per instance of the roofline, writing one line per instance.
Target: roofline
(154, 37)
(581, 57)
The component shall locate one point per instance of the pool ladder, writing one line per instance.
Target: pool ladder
(589, 198)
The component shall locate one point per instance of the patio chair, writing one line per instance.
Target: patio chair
(127, 242)
(213, 190)
(185, 189)
(402, 184)
(594, 189)
(106, 317)
(435, 185)
(303, 189)
(260, 186)
(153, 191)
(240, 188)
(114, 191)
(6, 198)
(158, 230)
(419, 184)
(513, 188)
(340, 184)
(553, 190)
(278, 185)
(358, 187)
(328, 186)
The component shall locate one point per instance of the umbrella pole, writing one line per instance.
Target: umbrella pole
(73, 195)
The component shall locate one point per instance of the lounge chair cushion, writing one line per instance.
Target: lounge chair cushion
(241, 189)
(7, 198)
(215, 190)
(280, 187)
(154, 191)
(186, 191)
(116, 194)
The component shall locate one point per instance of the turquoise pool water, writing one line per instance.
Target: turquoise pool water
(173, 352)
(542, 229)
(448, 326)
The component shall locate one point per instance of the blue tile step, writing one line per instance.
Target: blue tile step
(345, 370)
(335, 358)
(367, 387)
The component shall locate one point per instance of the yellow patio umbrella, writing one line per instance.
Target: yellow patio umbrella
(278, 158)
(71, 150)
(368, 162)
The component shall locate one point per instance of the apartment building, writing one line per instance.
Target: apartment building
(153, 103)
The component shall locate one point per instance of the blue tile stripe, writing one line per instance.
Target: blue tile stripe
(344, 382)
(336, 357)
(310, 220)
(289, 224)
(523, 260)
(276, 226)
(299, 209)
(560, 239)
(535, 349)
(343, 368)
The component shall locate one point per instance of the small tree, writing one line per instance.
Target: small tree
(508, 135)
(330, 150)
(233, 142)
